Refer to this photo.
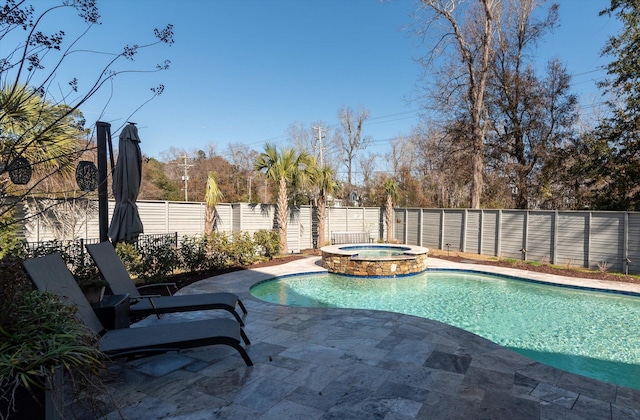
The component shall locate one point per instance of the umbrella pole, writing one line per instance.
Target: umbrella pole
(103, 207)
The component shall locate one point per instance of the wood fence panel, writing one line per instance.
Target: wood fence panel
(540, 236)
(453, 231)
(512, 234)
(490, 232)
(473, 232)
(413, 227)
(633, 245)
(606, 244)
(431, 228)
(573, 239)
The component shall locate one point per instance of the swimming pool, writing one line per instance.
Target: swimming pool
(595, 334)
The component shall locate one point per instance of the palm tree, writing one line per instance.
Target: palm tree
(39, 134)
(391, 189)
(287, 168)
(212, 197)
(34, 129)
(327, 186)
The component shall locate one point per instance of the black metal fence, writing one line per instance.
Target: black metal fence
(75, 248)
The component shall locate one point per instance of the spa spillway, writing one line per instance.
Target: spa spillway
(374, 259)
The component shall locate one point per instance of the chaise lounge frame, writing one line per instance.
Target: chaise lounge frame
(114, 272)
(51, 274)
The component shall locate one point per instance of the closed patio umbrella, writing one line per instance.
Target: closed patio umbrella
(126, 225)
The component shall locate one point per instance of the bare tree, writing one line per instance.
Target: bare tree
(532, 117)
(241, 160)
(352, 140)
(33, 65)
(464, 33)
(442, 164)
(318, 140)
(367, 164)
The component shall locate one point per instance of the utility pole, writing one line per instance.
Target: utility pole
(185, 176)
(319, 145)
(250, 180)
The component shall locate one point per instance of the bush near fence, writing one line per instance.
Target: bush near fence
(153, 257)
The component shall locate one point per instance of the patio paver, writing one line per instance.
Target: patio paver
(353, 364)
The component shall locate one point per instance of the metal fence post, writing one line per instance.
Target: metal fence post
(499, 234)
(589, 240)
(442, 213)
(406, 225)
(625, 242)
(420, 226)
(481, 233)
(465, 216)
(554, 247)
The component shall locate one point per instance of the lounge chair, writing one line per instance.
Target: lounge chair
(115, 273)
(50, 273)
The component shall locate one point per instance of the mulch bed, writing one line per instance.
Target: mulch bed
(185, 279)
(548, 269)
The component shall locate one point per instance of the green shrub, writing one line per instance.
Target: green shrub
(242, 249)
(193, 253)
(84, 270)
(10, 244)
(158, 260)
(14, 283)
(38, 334)
(267, 242)
(130, 257)
(217, 250)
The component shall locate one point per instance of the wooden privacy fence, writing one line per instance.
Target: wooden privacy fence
(592, 239)
(187, 218)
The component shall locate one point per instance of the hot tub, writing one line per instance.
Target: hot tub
(374, 259)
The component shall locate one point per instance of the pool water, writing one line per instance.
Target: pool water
(379, 253)
(595, 334)
(376, 251)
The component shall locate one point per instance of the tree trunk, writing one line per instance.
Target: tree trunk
(477, 168)
(322, 214)
(477, 90)
(475, 57)
(209, 219)
(283, 215)
(389, 218)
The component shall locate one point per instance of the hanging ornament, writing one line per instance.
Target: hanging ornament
(19, 171)
(87, 176)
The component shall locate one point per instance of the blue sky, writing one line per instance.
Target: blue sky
(243, 71)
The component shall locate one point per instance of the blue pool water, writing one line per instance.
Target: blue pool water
(376, 251)
(595, 334)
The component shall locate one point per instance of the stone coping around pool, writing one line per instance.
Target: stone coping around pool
(343, 259)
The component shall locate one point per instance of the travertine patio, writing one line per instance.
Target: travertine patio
(353, 364)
